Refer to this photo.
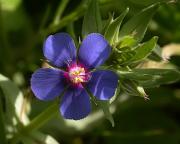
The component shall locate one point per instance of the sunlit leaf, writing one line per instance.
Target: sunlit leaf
(127, 41)
(137, 25)
(13, 101)
(134, 5)
(39, 137)
(136, 54)
(112, 31)
(143, 50)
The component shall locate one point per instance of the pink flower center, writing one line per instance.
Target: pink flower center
(77, 75)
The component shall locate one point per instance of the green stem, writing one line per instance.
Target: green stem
(64, 21)
(45, 18)
(37, 122)
(43, 118)
(2, 122)
(60, 11)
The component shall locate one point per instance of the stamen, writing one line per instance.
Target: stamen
(77, 74)
(68, 62)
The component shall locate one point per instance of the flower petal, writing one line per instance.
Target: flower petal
(59, 49)
(75, 104)
(103, 84)
(47, 83)
(94, 50)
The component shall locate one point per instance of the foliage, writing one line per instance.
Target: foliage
(130, 31)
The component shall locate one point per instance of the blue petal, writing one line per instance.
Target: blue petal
(59, 49)
(103, 84)
(75, 104)
(47, 83)
(94, 50)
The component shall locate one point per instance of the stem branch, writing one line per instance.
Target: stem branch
(37, 122)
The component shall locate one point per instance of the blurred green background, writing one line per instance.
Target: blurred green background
(25, 23)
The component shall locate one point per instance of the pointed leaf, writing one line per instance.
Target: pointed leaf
(127, 41)
(112, 31)
(137, 25)
(148, 2)
(46, 139)
(92, 20)
(156, 54)
(144, 50)
(107, 22)
(132, 88)
(104, 105)
(151, 77)
(136, 54)
(160, 76)
(132, 75)
(39, 137)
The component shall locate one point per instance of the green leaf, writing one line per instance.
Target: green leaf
(92, 19)
(134, 55)
(156, 54)
(148, 2)
(133, 75)
(151, 77)
(143, 50)
(132, 88)
(160, 76)
(39, 137)
(127, 41)
(47, 139)
(107, 22)
(137, 25)
(104, 105)
(112, 31)
(14, 101)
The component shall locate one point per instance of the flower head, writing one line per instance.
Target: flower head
(75, 72)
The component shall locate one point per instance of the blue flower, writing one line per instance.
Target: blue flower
(76, 73)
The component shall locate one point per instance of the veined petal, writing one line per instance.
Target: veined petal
(103, 84)
(59, 49)
(47, 83)
(94, 50)
(75, 104)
